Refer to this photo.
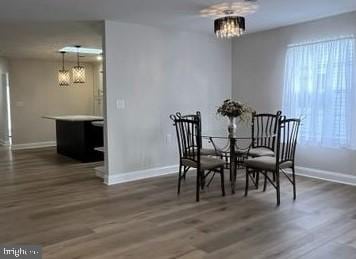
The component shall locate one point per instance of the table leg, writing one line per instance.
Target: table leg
(232, 164)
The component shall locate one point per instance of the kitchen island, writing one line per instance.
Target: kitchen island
(77, 137)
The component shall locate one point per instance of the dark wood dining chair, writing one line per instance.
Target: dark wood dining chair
(263, 138)
(287, 135)
(204, 151)
(188, 129)
(264, 129)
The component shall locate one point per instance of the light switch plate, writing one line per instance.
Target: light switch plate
(120, 104)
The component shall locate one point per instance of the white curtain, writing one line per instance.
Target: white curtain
(318, 87)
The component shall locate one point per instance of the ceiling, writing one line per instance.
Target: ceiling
(39, 27)
(179, 13)
(42, 40)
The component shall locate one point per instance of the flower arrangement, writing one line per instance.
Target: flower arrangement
(234, 109)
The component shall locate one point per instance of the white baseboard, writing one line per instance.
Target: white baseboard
(100, 171)
(34, 145)
(326, 175)
(139, 175)
(155, 172)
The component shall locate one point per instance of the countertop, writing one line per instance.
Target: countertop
(98, 123)
(74, 118)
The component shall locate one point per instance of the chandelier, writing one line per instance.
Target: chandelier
(229, 17)
(63, 74)
(229, 26)
(78, 71)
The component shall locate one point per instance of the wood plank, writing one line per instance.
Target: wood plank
(56, 202)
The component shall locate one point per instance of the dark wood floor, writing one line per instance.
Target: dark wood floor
(58, 203)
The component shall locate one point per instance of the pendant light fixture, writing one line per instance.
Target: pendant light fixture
(229, 26)
(229, 17)
(78, 71)
(63, 74)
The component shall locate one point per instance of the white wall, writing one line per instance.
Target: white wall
(98, 88)
(4, 135)
(258, 70)
(158, 72)
(35, 93)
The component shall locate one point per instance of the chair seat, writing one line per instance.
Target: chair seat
(266, 163)
(206, 163)
(210, 152)
(260, 151)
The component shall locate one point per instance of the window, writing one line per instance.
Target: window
(318, 88)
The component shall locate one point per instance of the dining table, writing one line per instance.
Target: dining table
(237, 149)
(233, 150)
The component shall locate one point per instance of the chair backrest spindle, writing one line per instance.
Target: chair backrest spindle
(287, 139)
(264, 130)
(188, 129)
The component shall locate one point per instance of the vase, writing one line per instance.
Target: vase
(232, 127)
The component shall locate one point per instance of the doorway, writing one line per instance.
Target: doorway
(5, 123)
